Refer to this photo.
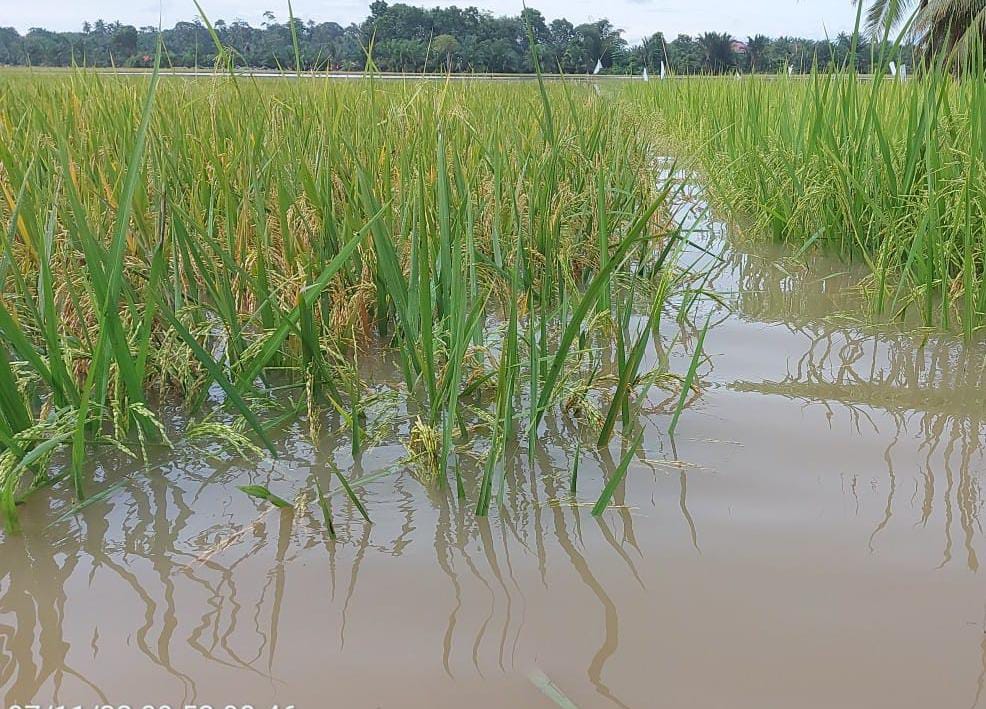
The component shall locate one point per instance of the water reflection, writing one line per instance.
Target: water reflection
(885, 383)
(186, 591)
(33, 606)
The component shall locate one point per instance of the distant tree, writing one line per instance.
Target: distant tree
(45, 48)
(447, 50)
(651, 53)
(11, 46)
(534, 18)
(409, 39)
(717, 52)
(124, 41)
(686, 55)
(756, 48)
(595, 41)
(403, 55)
(561, 33)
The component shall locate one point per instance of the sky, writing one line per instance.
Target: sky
(638, 18)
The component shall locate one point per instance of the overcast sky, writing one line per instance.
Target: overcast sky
(638, 18)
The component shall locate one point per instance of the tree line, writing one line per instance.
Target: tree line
(403, 38)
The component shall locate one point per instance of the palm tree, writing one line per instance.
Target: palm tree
(756, 48)
(718, 51)
(955, 27)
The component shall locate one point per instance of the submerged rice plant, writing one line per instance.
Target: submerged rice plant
(886, 171)
(238, 246)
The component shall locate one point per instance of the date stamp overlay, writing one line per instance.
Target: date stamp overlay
(148, 706)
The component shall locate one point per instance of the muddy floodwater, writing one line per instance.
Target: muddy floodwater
(812, 538)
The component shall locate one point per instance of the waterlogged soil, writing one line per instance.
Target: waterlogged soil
(811, 538)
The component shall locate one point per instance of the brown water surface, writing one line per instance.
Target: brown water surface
(811, 539)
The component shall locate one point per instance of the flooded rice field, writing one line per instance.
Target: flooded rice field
(810, 538)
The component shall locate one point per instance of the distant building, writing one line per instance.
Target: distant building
(739, 47)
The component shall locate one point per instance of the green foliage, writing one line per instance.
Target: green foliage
(885, 172)
(262, 493)
(954, 28)
(617, 477)
(413, 39)
(259, 242)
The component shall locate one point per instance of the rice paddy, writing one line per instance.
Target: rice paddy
(883, 172)
(237, 248)
(301, 379)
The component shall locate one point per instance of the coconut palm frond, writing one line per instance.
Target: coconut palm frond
(886, 14)
(954, 28)
(950, 27)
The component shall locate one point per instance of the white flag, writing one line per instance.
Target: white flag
(737, 75)
(893, 69)
(790, 69)
(903, 72)
(663, 71)
(599, 66)
(646, 78)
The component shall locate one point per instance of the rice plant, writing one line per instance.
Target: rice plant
(886, 171)
(237, 246)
